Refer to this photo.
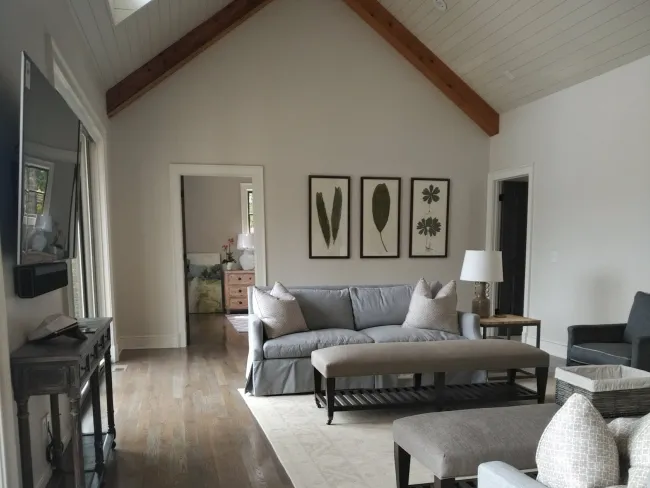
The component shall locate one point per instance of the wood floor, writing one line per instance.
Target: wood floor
(181, 422)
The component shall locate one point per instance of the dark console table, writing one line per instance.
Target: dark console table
(62, 366)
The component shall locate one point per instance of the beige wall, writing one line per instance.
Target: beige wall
(26, 25)
(303, 87)
(590, 150)
(212, 212)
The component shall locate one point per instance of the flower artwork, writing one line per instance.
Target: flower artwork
(429, 217)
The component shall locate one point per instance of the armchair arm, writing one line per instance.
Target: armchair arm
(469, 325)
(641, 353)
(501, 475)
(579, 334)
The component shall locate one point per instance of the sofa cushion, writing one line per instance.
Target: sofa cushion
(381, 305)
(638, 323)
(427, 312)
(397, 333)
(602, 353)
(325, 308)
(301, 344)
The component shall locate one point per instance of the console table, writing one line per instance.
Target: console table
(62, 366)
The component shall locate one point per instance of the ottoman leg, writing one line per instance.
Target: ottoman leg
(542, 379)
(330, 399)
(402, 467)
(317, 387)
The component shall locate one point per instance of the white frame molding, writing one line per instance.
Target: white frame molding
(176, 171)
(244, 188)
(492, 223)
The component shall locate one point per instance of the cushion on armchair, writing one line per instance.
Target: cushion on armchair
(602, 353)
(638, 323)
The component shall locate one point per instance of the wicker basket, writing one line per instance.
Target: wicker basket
(615, 391)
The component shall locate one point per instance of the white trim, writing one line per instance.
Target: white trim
(553, 348)
(176, 171)
(243, 192)
(492, 221)
(70, 89)
(166, 341)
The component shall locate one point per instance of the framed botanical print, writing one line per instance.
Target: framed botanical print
(380, 217)
(429, 226)
(329, 217)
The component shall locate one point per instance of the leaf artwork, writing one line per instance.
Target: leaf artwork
(428, 227)
(337, 209)
(381, 209)
(322, 218)
(431, 194)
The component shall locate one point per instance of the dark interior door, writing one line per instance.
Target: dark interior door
(186, 264)
(514, 219)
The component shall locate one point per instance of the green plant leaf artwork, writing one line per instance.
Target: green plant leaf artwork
(337, 209)
(431, 194)
(381, 209)
(323, 220)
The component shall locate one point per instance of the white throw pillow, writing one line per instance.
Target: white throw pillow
(638, 448)
(577, 450)
(279, 311)
(439, 313)
(622, 429)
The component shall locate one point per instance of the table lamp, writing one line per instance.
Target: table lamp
(245, 242)
(482, 267)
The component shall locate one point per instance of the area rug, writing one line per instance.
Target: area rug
(356, 451)
(238, 322)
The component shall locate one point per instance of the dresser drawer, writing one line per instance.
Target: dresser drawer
(236, 291)
(237, 303)
(240, 279)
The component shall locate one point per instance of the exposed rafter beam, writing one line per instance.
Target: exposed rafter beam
(182, 51)
(420, 56)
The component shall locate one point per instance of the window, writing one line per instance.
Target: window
(247, 217)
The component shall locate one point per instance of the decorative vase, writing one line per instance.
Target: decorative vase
(247, 260)
(231, 266)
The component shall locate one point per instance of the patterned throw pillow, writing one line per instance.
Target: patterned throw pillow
(639, 449)
(622, 429)
(439, 313)
(577, 450)
(279, 311)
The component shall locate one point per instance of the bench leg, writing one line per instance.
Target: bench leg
(417, 380)
(444, 483)
(330, 399)
(512, 376)
(439, 385)
(317, 387)
(542, 379)
(402, 467)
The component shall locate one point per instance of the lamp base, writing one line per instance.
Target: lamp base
(247, 260)
(481, 303)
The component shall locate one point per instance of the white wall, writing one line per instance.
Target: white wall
(590, 147)
(303, 87)
(212, 212)
(27, 25)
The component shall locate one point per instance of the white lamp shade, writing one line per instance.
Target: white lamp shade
(44, 222)
(482, 266)
(245, 241)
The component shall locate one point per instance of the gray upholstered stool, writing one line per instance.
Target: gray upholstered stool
(453, 444)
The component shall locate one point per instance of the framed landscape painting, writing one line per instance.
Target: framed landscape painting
(429, 226)
(380, 217)
(329, 217)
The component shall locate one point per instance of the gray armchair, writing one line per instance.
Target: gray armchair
(627, 344)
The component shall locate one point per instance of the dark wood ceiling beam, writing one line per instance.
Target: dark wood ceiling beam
(178, 54)
(420, 56)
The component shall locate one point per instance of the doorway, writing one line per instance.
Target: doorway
(509, 230)
(185, 218)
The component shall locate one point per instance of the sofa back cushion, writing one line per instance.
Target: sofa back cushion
(638, 324)
(380, 305)
(325, 308)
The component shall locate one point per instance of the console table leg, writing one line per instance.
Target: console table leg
(76, 441)
(56, 431)
(25, 443)
(97, 421)
(110, 411)
(330, 382)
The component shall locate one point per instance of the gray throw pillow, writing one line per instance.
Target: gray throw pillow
(427, 312)
(577, 450)
(638, 447)
(279, 311)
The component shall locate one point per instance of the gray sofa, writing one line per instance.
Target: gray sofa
(339, 315)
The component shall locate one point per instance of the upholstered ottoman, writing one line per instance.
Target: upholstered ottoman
(453, 444)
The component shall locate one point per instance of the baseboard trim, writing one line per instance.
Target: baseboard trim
(167, 341)
(553, 348)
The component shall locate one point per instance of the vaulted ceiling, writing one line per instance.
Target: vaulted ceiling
(510, 52)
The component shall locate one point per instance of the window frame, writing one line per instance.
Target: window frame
(245, 189)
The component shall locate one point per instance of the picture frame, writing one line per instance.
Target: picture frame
(329, 217)
(429, 217)
(381, 206)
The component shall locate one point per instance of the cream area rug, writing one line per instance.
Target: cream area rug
(356, 451)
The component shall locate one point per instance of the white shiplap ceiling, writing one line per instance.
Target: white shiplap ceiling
(510, 51)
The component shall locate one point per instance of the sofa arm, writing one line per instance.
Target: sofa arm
(579, 334)
(501, 475)
(641, 353)
(255, 338)
(469, 325)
